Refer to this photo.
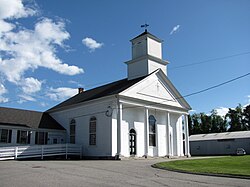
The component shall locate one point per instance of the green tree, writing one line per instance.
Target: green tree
(196, 123)
(190, 125)
(219, 124)
(235, 119)
(205, 123)
(246, 117)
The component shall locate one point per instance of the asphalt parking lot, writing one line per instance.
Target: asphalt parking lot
(70, 173)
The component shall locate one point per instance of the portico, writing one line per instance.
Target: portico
(158, 131)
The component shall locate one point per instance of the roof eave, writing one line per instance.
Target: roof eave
(52, 110)
(177, 93)
(147, 34)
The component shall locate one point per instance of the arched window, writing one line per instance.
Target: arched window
(72, 131)
(92, 131)
(152, 138)
(132, 131)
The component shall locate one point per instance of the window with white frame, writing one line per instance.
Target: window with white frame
(23, 137)
(41, 138)
(92, 131)
(5, 135)
(72, 131)
(152, 124)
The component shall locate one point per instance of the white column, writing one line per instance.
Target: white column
(146, 130)
(14, 136)
(177, 137)
(33, 137)
(167, 134)
(119, 123)
(181, 135)
(187, 149)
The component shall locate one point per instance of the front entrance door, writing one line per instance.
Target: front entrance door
(132, 142)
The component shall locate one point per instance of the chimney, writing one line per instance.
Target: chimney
(80, 90)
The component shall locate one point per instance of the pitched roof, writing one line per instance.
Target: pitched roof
(102, 91)
(178, 96)
(27, 118)
(219, 136)
(149, 35)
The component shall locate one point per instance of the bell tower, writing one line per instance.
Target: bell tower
(146, 56)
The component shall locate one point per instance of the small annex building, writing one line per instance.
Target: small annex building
(25, 127)
(224, 143)
(142, 115)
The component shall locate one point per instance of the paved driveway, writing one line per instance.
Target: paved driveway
(101, 173)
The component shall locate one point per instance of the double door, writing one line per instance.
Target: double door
(132, 142)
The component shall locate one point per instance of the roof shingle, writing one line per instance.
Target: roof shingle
(27, 118)
(102, 91)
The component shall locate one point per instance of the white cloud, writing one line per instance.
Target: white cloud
(31, 85)
(3, 99)
(222, 111)
(248, 101)
(43, 104)
(30, 49)
(51, 32)
(73, 82)
(12, 10)
(5, 27)
(91, 44)
(24, 49)
(25, 98)
(76, 83)
(192, 111)
(3, 90)
(175, 29)
(61, 93)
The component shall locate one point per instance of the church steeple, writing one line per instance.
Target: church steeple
(146, 56)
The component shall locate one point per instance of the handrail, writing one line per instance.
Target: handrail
(32, 151)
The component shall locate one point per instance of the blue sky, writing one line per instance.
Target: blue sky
(49, 48)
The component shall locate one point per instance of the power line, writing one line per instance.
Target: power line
(194, 93)
(209, 60)
(187, 65)
(198, 92)
(216, 86)
(188, 95)
(182, 66)
(176, 67)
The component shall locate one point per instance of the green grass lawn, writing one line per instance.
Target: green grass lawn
(230, 165)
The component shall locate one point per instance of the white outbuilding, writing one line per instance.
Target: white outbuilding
(142, 115)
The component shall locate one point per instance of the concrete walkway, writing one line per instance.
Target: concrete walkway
(102, 173)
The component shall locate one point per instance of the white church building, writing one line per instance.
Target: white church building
(142, 115)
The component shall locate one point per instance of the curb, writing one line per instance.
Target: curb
(206, 174)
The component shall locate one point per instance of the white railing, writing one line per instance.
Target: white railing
(32, 151)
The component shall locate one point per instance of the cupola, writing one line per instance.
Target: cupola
(146, 56)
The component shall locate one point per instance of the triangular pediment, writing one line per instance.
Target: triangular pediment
(158, 89)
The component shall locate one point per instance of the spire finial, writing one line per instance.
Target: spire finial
(145, 26)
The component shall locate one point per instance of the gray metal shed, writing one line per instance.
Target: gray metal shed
(219, 143)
